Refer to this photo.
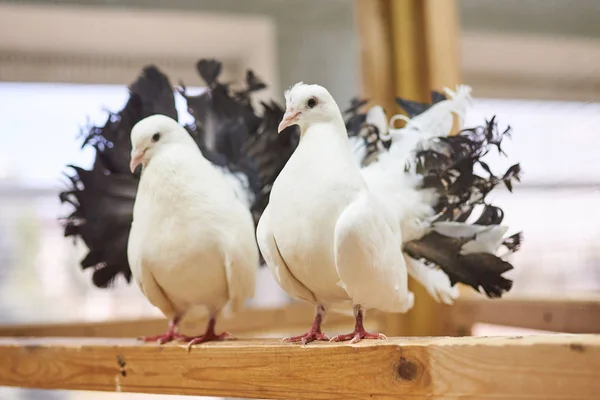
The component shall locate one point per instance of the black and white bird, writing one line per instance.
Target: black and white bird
(334, 232)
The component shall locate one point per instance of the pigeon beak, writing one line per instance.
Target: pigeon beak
(289, 119)
(136, 159)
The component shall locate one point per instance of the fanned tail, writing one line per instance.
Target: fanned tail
(430, 179)
(103, 197)
(466, 251)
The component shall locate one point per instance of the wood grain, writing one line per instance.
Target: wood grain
(565, 315)
(545, 367)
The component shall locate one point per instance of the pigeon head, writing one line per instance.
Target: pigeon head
(308, 104)
(152, 134)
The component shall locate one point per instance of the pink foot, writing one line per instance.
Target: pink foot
(164, 338)
(209, 336)
(357, 336)
(308, 337)
(314, 333)
(359, 330)
(171, 334)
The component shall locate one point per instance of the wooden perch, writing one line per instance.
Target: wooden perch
(565, 315)
(537, 367)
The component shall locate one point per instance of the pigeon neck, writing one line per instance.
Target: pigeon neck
(334, 126)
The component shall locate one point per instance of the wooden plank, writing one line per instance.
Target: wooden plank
(544, 367)
(290, 318)
(566, 315)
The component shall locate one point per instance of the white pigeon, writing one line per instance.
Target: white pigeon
(192, 241)
(324, 235)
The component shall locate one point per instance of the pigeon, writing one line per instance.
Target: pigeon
(325, 236)
(425, 188)
(239, 140)
(192, 238)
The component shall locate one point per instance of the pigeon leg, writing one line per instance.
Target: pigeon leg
(209, 335)
(314, 333)
(171, 334)
(359, 330)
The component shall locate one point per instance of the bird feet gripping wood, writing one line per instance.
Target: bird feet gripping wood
(359, 331)
(209, 336)
(308, 337)
(358, 335)
(166, 337)
(314, 333)
(170, 335)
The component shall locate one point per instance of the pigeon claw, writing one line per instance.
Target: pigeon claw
(162, 339)
(207, 337)
(357, 336)
(308, 337)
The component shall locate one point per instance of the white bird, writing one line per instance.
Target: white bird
(192, 241)
(325, 236)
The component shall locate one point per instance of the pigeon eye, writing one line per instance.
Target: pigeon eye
(311, 102)
(155, 137)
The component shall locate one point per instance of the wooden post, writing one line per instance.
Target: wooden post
(376, 52)
(423, 55)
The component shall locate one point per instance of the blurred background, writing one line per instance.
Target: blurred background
(535, 64)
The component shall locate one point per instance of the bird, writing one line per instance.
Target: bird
(239, 139)
(192, 238)
(425, 186)
(324, 235)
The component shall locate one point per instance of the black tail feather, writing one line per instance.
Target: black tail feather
(102, 218)
(414, 108)
(481, 271)
(513, 243)
(448, 167)
(104, 196)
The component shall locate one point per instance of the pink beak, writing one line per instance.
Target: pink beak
(289, 118)
(136, 159)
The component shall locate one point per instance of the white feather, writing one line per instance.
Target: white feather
(240, 184)
(192, 240)
(487, 239)
(325, 237)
